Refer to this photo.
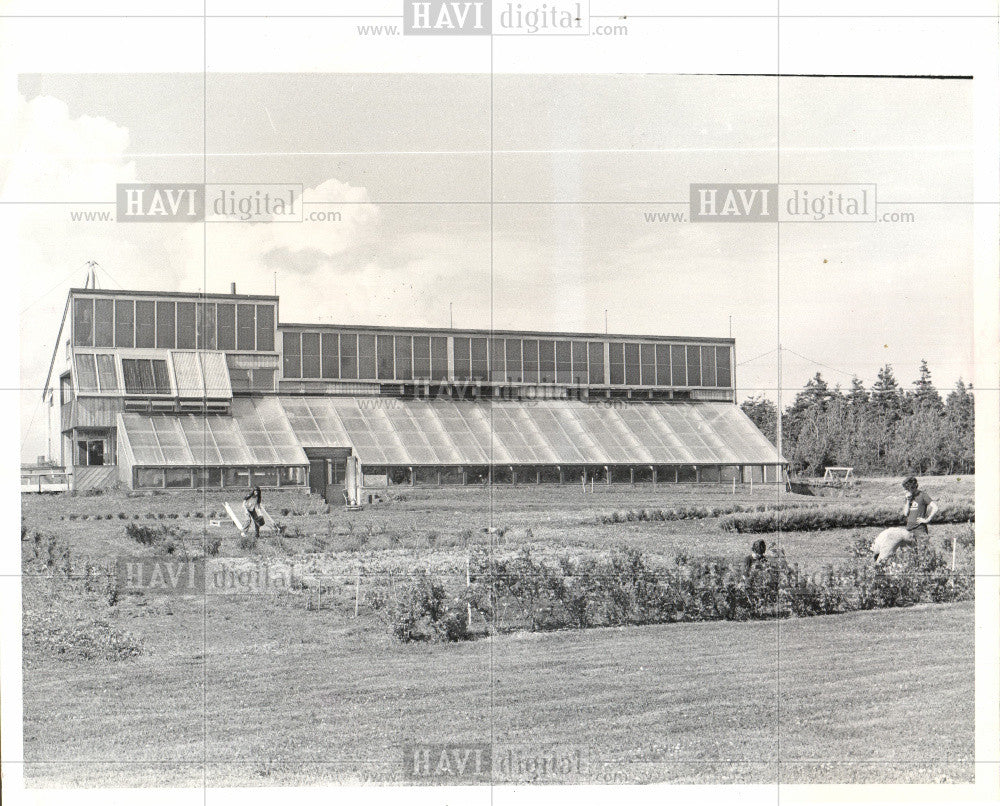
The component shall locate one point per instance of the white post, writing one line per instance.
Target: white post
(468, 584)
(734, 485)
(357, 590)
(953, 554)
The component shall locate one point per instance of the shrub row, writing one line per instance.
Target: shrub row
(124, 516)
(692, 512)
(522, 592)
(815, 519)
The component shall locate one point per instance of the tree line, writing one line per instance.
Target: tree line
(885, 430)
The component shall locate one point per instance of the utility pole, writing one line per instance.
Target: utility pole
(451, 318)
(605, 321)
(779, 400)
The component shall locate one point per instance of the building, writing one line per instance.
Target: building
(180, 391)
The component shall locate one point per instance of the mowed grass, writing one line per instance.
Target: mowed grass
(272, 695)
(249, 689)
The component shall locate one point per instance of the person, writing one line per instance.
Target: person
(919, 509)
(755, 557)
(252, 504)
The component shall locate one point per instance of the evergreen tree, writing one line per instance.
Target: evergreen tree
(857, 396)
(924, 395)
(886, 397)
(764, 414)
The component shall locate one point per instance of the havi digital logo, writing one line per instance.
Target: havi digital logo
(441, 17)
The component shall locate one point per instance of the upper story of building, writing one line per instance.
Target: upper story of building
(167, 351)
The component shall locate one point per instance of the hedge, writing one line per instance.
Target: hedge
(844, 517)
(524, 593)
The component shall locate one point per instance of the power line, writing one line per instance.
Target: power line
(762, 355)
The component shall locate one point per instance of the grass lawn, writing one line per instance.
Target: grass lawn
(237, 690)
(274, 695)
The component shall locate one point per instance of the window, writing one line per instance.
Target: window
(480, 367)
(185, 326)
(694, 366)
(547, 361)
(497, 363)
(596, 350)
(106, 373)
(83, 322)
(617, 360)
(663, 365)
(265, 327)
(404, 358)
(244, 327)
(149, 477)
(530, 347)
(310, 355)
(421, 357)
(329, 358)
(579, 352)
(225, 325)
(678, 364)
(291, 476)
(439, 358)
(104, 323)
(90, 452)
(366, 355)
(207, 477)
(708, 366)
(145, 376)
(291, 354)
(236, 477)
(564, 366)
(513, 353)
(264, 477)
(86, 373)
(145, 324)
(348, 355)
(65, 390)
(385, 349)
(124, 323)
(723, 369)
(463, 358)
(166, 319)
(647, 364)
(632, 374)
(206, 328)
(177, 477)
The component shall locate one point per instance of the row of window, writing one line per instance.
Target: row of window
(149, 376)
(403, 358)
(353, 356)
(379, 476)
(142, 376)
(172, 325)
(218, 477)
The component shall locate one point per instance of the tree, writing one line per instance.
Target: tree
(764, 414)
(886, 397)
(924, 395)
(959, 442)
(857, 395)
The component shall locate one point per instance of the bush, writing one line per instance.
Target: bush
(423, 611)
(247, 542)
(815, 519)
(143, 535)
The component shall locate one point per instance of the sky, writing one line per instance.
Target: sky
(573, 164)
